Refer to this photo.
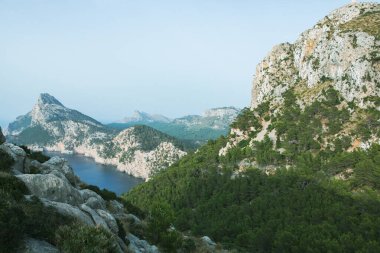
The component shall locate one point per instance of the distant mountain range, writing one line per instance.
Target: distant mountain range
(139, 150)
(141, 145)
(199, 128)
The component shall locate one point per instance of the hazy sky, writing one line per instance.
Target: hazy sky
(107, 58)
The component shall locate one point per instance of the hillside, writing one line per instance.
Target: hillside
(196, 129)
(139, 151)
(45, 208)
(300, 169)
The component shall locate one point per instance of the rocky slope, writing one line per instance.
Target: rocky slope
(57, 128)
(340, 54)
(55, 185)
(199, 128)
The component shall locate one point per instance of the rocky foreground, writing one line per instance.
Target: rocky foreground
(56, 186)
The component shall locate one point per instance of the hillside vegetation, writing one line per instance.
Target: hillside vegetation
(300, 169)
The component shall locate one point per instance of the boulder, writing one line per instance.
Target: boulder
(37, 246)
(115, 207)
(110, 220)
(92, 199)
(32, 166)
(61, 165)
(2, 137)
(95, 217)
(69, 210)
(17, 153)
(51, 187)
(133, 219)
(140, 246)
(208, 242)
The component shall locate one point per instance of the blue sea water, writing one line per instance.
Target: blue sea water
(103, 176)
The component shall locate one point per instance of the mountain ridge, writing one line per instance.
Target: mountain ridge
(197, 129)
(57, 128)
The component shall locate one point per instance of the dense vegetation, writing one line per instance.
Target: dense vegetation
(149, 138)
(82, 239)
(34, 134)
(321, 198)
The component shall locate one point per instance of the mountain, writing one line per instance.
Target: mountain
(141, 117)
(300, 169)
(44, 207)
(57, 128)
(196, 128)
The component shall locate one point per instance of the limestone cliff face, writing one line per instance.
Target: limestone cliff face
(340, 55)
(343, 48)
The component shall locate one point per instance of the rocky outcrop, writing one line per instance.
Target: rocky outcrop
(340, 54)
(18, 155)
(140, 246)
(38, 246)
(336, 49)
(56, 186)
(70, 210)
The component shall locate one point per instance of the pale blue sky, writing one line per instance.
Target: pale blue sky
(107, 58)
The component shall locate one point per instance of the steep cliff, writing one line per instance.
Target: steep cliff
(334, 65)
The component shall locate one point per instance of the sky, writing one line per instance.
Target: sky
(107, 58)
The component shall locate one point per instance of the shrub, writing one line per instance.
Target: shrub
(12, 186)
(11, 226)
(133, 209)
(6, 161)
(42, 222)
(39, 156)
(85, 239)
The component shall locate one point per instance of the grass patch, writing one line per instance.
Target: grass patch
(368, 22)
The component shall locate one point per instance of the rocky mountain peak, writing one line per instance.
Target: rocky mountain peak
(139, 116)
(342, 50)
(46, 99)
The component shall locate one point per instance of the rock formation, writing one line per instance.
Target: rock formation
(55, 184)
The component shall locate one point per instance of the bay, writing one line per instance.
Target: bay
(103, 176)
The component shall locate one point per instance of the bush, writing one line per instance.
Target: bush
(85, 239)
(133, 209)
(12, 186)
(42, 222)
(122, 233)
(39, 156)
(11, 226)
(6, 161)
